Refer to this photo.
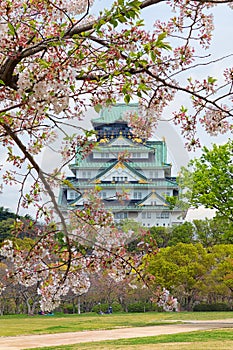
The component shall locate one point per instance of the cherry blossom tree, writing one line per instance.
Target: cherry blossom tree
(56, 60)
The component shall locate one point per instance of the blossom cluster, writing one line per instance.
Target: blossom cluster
(215, 121)
(58, 262)
(167, 301)
(46, 266)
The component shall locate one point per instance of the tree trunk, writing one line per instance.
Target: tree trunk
(79, 305)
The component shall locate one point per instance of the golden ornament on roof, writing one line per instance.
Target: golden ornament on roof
(137, 139)
(97, 181)
(104, 140)
(119, 165)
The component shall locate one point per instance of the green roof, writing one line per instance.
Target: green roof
(143, 165)
(157, 195)
(114, 113)
(125, 164)
(159, 147)
(138, 148)
(157, 183)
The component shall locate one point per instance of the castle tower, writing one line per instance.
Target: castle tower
(133, 187)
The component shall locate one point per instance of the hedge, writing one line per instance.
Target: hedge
(212, 307)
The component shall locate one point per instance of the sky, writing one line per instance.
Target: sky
(178, 155)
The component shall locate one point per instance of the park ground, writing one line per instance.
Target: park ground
(206, 332)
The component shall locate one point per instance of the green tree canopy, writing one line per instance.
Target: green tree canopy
(214, 231)
(193, 273)
(6, 227)
(6, 214)
(179, 268)
(208, 180)
(168, 236)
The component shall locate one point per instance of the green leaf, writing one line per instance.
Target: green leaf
(97, 108)
(153, 56)
(162, 36)
(2, 82)
(212, 80)
(140, 23)
(161, 44)
(11, 29)
(127, 98)
(183, 109)
(72, 88)
(89, 133)
(98, 188)
(44, 63)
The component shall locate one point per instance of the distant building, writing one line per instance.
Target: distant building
(144, 178)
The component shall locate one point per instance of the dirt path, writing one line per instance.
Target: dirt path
(34, 341)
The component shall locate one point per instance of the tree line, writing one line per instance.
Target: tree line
(193, 261)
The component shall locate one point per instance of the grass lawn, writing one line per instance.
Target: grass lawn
(19, 324)
(207, 340)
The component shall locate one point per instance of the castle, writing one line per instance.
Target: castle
(134, 187)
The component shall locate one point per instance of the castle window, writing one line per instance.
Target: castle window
(121, 216)
(164, 215)
(136, 155)
(153, 174)
(119, 178)
(71, 194)
(104, 155)
(137, 195)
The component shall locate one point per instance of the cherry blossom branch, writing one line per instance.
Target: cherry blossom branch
(7, 109)
(189, 92)
(42, 178)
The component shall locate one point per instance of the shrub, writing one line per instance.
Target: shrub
(116, 307)
(212, 307)
(69, 308)
(139, 307)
